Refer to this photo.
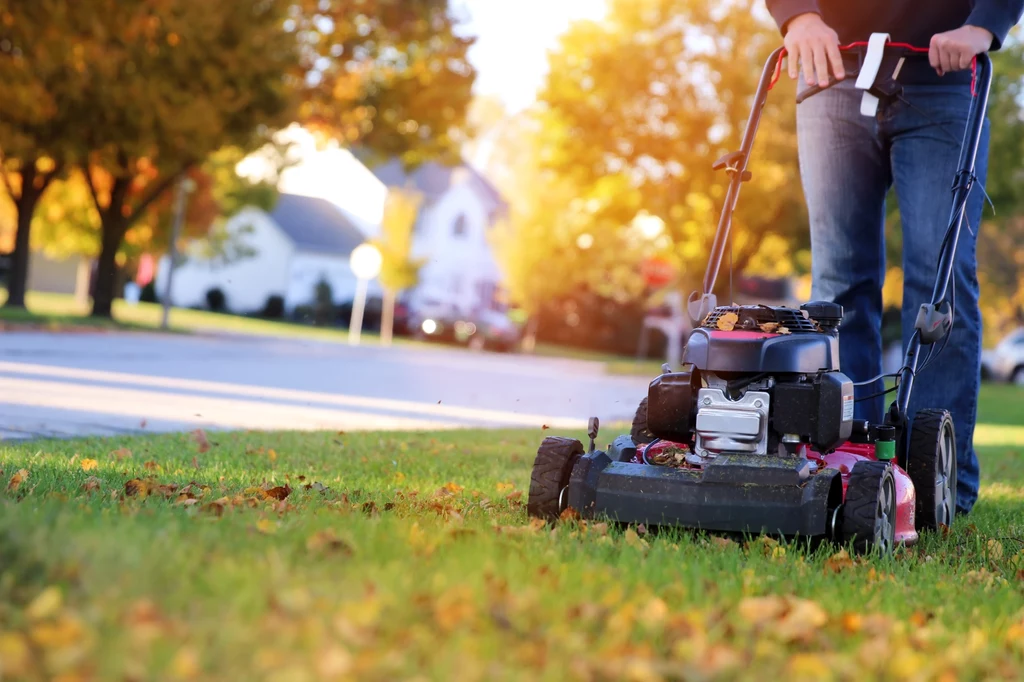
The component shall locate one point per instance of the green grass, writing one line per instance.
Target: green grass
(410, 556)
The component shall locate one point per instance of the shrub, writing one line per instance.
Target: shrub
(216, 300)
(273, 309)
(148, 294)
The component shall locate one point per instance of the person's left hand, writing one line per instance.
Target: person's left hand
(954, 50)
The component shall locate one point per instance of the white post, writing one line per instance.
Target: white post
(355, 325)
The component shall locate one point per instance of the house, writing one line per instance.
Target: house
(285, 253)
(459, 207)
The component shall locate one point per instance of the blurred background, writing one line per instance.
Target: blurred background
(533, 177)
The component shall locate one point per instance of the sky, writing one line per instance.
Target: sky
(510, 55)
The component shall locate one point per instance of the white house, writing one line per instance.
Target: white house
(459, 208)
(285, 252)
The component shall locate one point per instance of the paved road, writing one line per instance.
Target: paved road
(116, 383)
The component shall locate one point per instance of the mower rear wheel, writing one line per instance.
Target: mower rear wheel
(931, 465)
(550, 478)
(640, 433)
(869, 511)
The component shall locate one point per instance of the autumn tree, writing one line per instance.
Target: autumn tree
(35, 89)
(399, 269)
(635, 110)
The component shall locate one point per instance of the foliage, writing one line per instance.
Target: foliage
(389, 76)
(323, 303)
(399, 270)
(276, 562)
(273, 309)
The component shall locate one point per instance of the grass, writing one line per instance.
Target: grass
(410, 556)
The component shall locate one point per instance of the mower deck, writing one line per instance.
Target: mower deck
(732, 494)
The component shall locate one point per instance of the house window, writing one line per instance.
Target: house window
(459, 230)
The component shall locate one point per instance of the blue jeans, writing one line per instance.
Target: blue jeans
(848, 162)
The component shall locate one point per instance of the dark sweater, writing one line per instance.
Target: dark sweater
(906, 21)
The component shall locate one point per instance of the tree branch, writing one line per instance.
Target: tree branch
(87, 172)
(153, 193)
(7, 182)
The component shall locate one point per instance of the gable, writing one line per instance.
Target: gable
(316, 225)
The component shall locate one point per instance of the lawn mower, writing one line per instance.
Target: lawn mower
(755, 433)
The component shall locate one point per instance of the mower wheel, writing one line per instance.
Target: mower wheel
(869, 511)
(931, 465)
(640, 432)
(551, 470)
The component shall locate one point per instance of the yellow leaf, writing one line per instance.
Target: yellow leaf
(802, 620)
(334, 662)
(502, 487)
(14, 654)
(727, 322)
(808, 666)
(89, 464)
(995, 549)
(634, 540)
(272, 455)
(453, 487)
(185, 664)
(46, 604)
(17, 479)
(266, 526)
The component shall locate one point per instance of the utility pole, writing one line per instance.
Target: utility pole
(185, 186)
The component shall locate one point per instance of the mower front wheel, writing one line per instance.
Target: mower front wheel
(549, 481)
(869, 510)
(931, 465)
(640, 434)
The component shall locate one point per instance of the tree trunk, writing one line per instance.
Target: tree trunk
(387, 320)
(106, 268)
(530, 334)
(25, 205)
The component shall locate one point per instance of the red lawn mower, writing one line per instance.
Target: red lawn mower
(755, 434)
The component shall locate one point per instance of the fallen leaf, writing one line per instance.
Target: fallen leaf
(89, 464)
(502, 487)
(328, 541)
(185, 664)
(641, 530)
(852, 623)
(453, 487)
(769, 327)
(17, 479)
(47, 603)
(122, 454)
(994, 549)
(514, 497)
(136, 487)
(195, 462)
(722, 543)
(633, 540)
(568, 514)
(266, 526)
(15, 654)
(727, 322)
(279, 493)
(151, 465)
(272, 455)
(91, 484)
(202, 443)
(838, 562)
(784, 330)
(801, 621)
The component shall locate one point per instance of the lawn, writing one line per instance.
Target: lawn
(334, 556)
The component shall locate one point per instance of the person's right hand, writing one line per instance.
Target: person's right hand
(815, 44)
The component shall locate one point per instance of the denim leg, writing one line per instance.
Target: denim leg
(925, 156)
(845, 171)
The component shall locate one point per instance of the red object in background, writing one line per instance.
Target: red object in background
(147, 269)
(657, 272)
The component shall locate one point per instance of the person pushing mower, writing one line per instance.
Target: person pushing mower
(849, 161)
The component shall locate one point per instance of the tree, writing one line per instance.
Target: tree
(399, 270)
(35, 90)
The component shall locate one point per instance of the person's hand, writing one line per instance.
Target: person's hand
(816, 45)
(954, 50)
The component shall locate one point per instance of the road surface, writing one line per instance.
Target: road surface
(110, 383)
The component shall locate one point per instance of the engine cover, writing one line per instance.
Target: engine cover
(819, 411)
(734, 426)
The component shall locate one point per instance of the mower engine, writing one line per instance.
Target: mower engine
(757, 380)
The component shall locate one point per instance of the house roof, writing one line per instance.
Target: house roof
(315, 224)
(434, 179)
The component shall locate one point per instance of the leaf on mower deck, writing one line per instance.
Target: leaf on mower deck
(769, 327)
(727, 322)
(784, 330)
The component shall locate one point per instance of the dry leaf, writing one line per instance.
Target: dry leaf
(279, 493)
(91, 484)
(502, 487)
(272, 455)
(569, 514)
(17, 479)
(769, 327)
(633, 540)
(266, 526)
(514, 497)
(47, 603)
(453, 487)
(784, 330)
(328, 541)
(202, 443)
(839, 561)
(89, 464)
(122, 454)
(195, 462)
(722, 543)
(136, 487)
(151, 465)
(727, 322)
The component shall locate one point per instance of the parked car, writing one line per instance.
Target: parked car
(1005, 362)
(487, 329)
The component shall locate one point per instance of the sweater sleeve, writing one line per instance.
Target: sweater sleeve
(996, 16)
(784, 10)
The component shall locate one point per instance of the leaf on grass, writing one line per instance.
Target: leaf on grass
(633, 540)
(202, 443)
(994, 549)
(279, 493)
(453, 488)
(91, 484)
(568, 514)
(89, 464)
(17, 479)
(135, 487)
(727, 322)
(122, 454)
(838, 562)
(266, 526)
(641, 530)
(151, 465)
(514, 497)
(502, 487)
(46, 604)
(722, 543)
(272, 455)
(327, 541)
(195, 462)
(15, 654)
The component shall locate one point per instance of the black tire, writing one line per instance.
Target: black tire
(931, 465)
(640, 433)
(869, 511)
(551, 470)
